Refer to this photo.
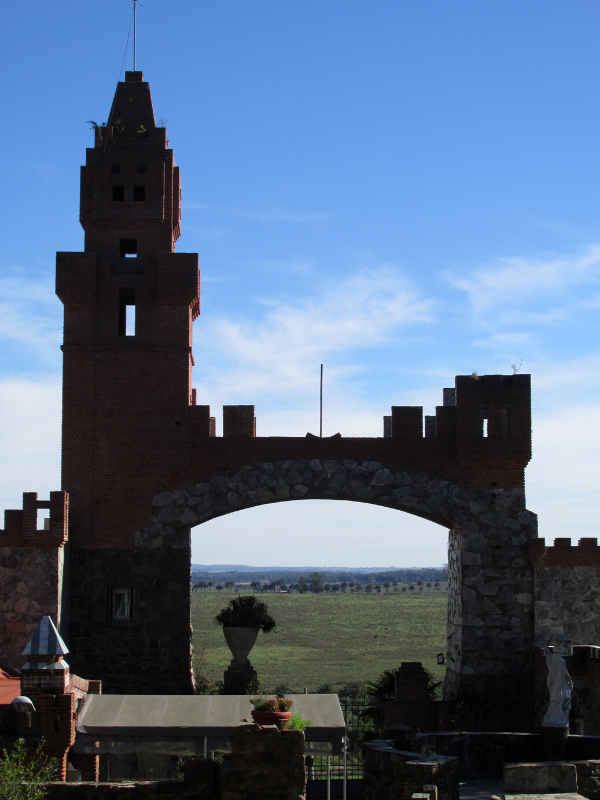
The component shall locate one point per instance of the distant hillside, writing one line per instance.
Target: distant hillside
(241, 574)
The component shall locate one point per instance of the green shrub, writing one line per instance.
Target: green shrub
(296, 723)
(24, 775)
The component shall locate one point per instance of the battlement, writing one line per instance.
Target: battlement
(585, 554)
(20, 526)
(487, 416)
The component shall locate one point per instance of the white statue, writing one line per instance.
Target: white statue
(559, 685)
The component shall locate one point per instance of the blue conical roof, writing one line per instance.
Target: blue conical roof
(46, 641)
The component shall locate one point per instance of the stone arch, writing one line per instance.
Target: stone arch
(490, 604)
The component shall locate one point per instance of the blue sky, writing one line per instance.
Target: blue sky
(404, 191)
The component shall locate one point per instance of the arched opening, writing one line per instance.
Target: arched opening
(370, 612)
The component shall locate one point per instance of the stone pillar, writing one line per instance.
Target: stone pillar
(239, 678)
(265, 763)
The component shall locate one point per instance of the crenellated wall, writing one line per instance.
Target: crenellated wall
(32, 572)
(567, 589)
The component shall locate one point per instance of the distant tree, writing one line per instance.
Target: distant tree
(255, 585)
(395, 589)
(219, 587)
(344, 586)
(209, 584)
(369, 588)
(428, 585)
(282, 586)
(411, 588)
(352, 585)
(327, 587)
(404, 588)
(420, 589)
(229, 585)
(395, 584)
(335, 587)
(303, 586)
(316, 582)
(420, 582)
(387, 585)
(436, 586)
(378, 588)
(293, 587)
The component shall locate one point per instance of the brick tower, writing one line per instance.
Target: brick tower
(129, 303)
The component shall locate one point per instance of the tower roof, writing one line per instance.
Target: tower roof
(132, 113)
(46, 641)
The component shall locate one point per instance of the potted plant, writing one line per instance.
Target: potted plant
(271, 711)
(242, 619)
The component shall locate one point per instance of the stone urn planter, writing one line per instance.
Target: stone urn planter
(242, 619)
(240, 641)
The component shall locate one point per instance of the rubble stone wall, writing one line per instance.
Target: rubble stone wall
(567, 590)
(31, 582)
(391, 774)
(491, 580)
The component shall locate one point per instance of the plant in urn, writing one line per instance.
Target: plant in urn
(242, 619)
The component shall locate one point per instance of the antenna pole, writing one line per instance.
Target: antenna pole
(321, 406)
(134, 31)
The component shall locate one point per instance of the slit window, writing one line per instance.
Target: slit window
(484, 429)
(126, 312)
(128, 248)
(139, 192)
(118, 192)
(504, 422)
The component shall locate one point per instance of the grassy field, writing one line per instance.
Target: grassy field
(335, 638)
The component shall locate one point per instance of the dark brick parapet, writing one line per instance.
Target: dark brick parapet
(563, 553)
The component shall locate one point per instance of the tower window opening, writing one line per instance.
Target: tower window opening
(139, 192)
(126, 312)
(141, 168)
(128, 248)
(122, 605)
(115, 168)
(118, 192)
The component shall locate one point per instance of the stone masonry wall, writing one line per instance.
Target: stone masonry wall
(31, 571)
(567, 590)
(30, 587)
(391, 774)
(265, 763)
(493, 605)
(151, 654)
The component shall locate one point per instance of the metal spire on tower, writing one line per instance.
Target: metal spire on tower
(134, 31)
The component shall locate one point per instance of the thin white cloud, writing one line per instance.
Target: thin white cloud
(278, 355)
(562, 479)
(31, 316)
(30, 413)
(518, 281)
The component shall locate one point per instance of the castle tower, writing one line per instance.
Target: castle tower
(129, 413)
(129, 303)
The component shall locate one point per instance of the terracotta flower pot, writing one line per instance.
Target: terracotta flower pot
(278, 718)
(240, 641)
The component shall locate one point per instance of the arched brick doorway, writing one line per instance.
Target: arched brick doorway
(490, 607)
